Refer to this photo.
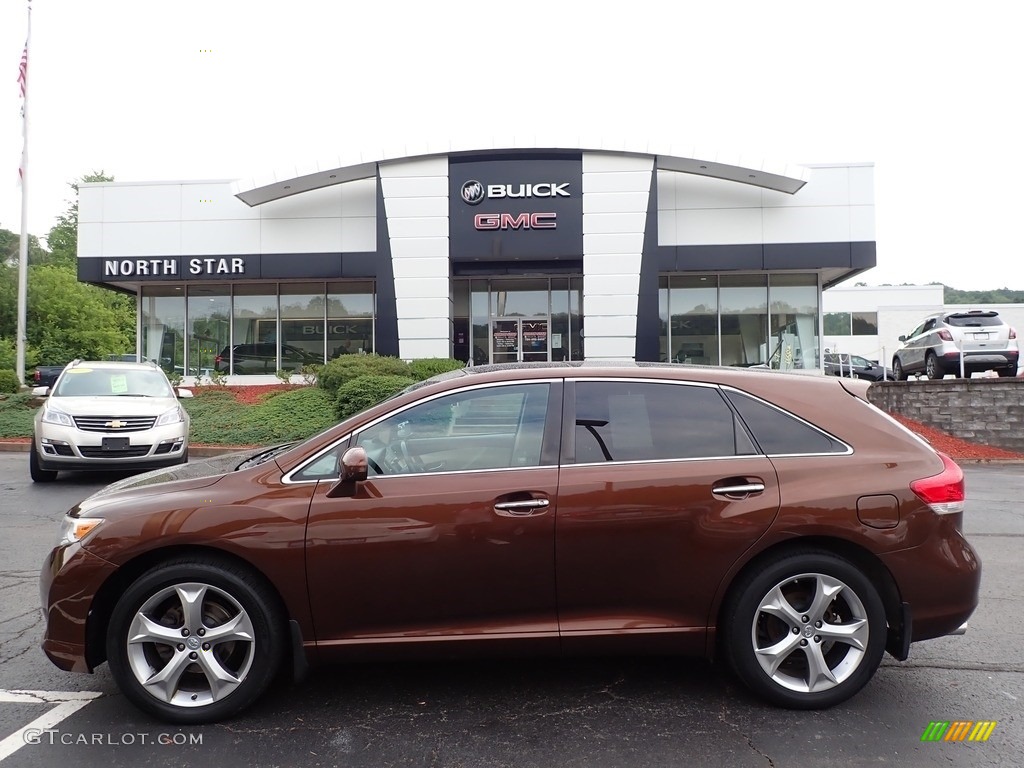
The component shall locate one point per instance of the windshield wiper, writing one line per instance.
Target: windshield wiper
(263, 456)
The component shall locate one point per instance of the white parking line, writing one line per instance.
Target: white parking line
(68, 702)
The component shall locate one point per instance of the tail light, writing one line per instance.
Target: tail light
(943, 492)
(945, 335)
(1013, 332)
(218, 360)
(37, 376)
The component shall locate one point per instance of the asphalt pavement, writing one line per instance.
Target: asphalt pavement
(632, 712)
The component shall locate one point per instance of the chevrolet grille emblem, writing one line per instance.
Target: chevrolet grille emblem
(116, 424)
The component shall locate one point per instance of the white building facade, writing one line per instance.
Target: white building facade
(529, 253)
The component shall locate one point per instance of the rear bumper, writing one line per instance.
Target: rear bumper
(939, 581)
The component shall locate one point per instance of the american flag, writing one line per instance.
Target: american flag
(22, 86)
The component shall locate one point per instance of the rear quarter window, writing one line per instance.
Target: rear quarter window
(780, 433)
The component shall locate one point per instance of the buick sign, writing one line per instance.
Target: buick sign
(473, 192)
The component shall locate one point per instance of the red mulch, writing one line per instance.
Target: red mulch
(954, 447)
(247, 395)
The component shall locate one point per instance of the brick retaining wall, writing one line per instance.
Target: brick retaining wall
(989, 411)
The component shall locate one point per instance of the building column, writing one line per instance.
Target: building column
(616, 191)
(416, 203)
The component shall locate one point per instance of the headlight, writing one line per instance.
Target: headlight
(74, 529)
(53, 416)
(173, 416)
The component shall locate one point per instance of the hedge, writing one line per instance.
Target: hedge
(9, 381)
(365, 391)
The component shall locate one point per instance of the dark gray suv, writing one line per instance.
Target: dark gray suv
(934, 347)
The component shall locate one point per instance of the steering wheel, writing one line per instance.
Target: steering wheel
(415, 464)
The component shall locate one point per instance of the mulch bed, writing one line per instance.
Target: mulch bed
(247, 395)
(954, 447)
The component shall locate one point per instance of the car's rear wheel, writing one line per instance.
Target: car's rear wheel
(932, 369)
(1005, 373)
(35, 469)
(807, 631)
(195, 640)
(897, 370)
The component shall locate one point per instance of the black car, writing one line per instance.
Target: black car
(855, 366)
(262, 358)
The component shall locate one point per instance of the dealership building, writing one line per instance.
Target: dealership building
(486, 254)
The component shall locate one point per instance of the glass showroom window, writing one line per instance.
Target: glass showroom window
(794, 321)
(350, 318)
(744, 323)
(851, 323)
(690, 313)
(254, 337)
(209, 324)
(303, 307)
(163, 327)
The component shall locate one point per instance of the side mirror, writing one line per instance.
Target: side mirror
(354, 468)
(40, 391)
(903, 338)
(184, 393)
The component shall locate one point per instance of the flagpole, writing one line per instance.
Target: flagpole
(23, 245)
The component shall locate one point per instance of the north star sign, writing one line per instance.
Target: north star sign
(194, 267)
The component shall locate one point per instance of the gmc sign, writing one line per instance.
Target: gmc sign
(515, 221)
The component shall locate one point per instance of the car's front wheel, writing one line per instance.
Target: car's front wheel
(806, 631)
(195, 640)
(35, 469)
(897, 370)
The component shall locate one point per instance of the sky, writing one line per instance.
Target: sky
(153, 90)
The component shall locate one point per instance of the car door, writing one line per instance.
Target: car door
(452, 534)
(661, 491)
(912, 354)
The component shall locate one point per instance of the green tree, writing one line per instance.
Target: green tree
(69, 319)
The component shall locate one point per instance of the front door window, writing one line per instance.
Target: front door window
(520, 340)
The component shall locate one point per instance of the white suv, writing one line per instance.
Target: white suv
(108, 416)
(934, 348)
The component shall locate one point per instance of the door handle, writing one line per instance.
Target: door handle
(522, 508)
(734, 491)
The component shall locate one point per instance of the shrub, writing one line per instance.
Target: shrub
(293, 415)
(431, 366)
(9, 381)
(362, 392)
(310, 373)
(284, 376)
(16, 415)
(348, 367)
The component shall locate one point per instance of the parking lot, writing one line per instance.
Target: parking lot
(589, 712)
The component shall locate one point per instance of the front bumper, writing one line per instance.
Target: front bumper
(68, 583)
(61, 447)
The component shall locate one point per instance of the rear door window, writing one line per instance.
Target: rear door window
(652, 421)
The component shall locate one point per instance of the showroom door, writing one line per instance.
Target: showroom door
(520, 340)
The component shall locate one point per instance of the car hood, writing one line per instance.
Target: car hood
(114, 406)
(195, 474)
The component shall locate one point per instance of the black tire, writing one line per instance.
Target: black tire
(932, 369)
(898, 374)
(230, 591)
(35, 469)
(747, 627)
(1005, 373)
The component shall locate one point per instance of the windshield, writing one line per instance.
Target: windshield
(113, 382)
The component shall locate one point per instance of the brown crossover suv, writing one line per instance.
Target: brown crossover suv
(778, 521)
